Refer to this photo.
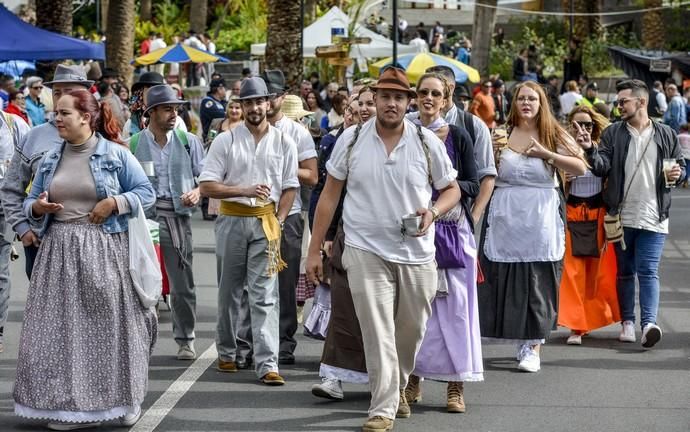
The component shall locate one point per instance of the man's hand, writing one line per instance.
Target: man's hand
(30, 239)
(103, 210)
(191, 198)
(261, 191)
(42, 206)
(314, 267)
(674, 173)
(427, 220)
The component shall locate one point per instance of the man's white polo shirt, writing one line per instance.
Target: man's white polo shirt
(382, 188)
(235, 160)
(306, 149)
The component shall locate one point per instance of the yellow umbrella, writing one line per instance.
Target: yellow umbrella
(416, 64)
(178, 53)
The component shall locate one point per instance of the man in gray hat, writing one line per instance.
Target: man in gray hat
(13, 129)
(163, 150)
(253, 170)
(28, 153)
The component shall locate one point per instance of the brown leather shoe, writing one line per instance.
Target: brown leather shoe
(226, 366)
(403, 407)
(272, 379)
(456, 399)
(413, 391)
(378, 424)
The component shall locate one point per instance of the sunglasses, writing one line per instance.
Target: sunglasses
(621, 102)
(425, 92)
(587, 125)
(37, 88)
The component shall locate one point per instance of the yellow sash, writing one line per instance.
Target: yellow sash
(269, 224)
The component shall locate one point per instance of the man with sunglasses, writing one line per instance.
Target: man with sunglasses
(172, 158)
(252, 169)
(483, 105)
(630, 155)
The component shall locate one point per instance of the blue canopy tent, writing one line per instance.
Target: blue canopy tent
(22, 41)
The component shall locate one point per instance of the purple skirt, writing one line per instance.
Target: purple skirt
(451, 349)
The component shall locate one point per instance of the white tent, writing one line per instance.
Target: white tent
(319, 34)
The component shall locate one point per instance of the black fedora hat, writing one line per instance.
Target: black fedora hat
(275, 81)
(148, 79)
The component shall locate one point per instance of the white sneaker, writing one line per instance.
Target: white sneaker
(522, 351)
(574, 339)
(131, 419)
(651, 334)
(329, 388)
(530, 362)
(68, 426)
(627, 332)
(186, 352)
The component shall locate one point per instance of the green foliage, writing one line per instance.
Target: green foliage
(676, 20)
(169, 19)
(549, 36)
(246, 23)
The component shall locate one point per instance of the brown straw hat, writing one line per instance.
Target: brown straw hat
(393, 78)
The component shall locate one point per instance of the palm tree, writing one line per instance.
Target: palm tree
(145, 10)
(197, 15)
(120, 37)
(653, 26)
(283, 42)
(482, 31)
(54, 15)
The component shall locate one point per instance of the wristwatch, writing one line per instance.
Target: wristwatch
(551, 159)
(434, 211)
(282, 223)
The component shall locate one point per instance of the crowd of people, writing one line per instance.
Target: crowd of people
(496, 217)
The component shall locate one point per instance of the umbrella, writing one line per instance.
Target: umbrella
(178, 53)
(416, 64)
(16, 67)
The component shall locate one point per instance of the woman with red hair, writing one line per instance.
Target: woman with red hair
(523, 237)
(86, 340)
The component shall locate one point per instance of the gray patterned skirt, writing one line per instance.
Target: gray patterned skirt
(86, 339)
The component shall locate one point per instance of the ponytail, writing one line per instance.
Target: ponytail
(107, 124)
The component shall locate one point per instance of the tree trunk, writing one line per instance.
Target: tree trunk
(653, 26)
(120, 38)
(309, 11)
(145, 11)
(283, 42)
(482, 31)
(585, 26)
(54, 15)
(105, 4)
(197, 15)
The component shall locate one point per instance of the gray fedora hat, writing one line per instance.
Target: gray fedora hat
(161, 94)
(275, 80)
(69, 75)
(254, 87)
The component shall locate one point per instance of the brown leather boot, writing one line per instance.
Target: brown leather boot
(456, 401)
(403, 407)
(413, 391)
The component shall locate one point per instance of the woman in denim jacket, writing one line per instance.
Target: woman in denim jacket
(86, 340)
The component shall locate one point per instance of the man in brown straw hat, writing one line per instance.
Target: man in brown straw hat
(390, 165)
(27, 155)
(253, 170)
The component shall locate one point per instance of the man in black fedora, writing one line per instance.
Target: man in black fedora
(162, 150)
(252, 169)
(27, 155)
(291, 242)
(137, 121)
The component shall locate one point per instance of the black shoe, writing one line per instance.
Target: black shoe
(286, 359)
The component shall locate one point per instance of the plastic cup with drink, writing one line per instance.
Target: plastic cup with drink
(668, 166)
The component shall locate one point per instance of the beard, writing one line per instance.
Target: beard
(255, 119)
(389, 123)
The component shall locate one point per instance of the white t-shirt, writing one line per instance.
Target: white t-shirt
(234, 159)
(568, 100)
(641, 209)
(157, 43)
(306, 149)
(383, 188)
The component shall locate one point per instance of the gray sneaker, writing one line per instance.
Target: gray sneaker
(186, 352)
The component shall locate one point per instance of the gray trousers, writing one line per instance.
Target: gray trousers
(291, 252)
(181, 278)
(242, 257)
(5, 248)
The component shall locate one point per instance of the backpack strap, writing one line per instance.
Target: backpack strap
(134, 142)
(181, 135)
(351, 145)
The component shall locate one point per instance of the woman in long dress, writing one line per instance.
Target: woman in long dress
(86, 340)
(451, 350)
(523, 238)
(587, 299)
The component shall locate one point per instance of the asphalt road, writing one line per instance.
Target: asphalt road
(603, 385)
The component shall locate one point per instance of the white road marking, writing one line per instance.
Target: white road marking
(159, 410)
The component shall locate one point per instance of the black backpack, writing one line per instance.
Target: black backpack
(653, 105)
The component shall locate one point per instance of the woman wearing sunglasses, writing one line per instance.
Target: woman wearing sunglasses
(451, 350)
(588, 298)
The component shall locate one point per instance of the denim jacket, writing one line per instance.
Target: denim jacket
(115, 172)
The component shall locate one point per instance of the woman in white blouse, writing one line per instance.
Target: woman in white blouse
(523, 238)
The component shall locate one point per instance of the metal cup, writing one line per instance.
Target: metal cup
(148, 168)
(411, 224)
